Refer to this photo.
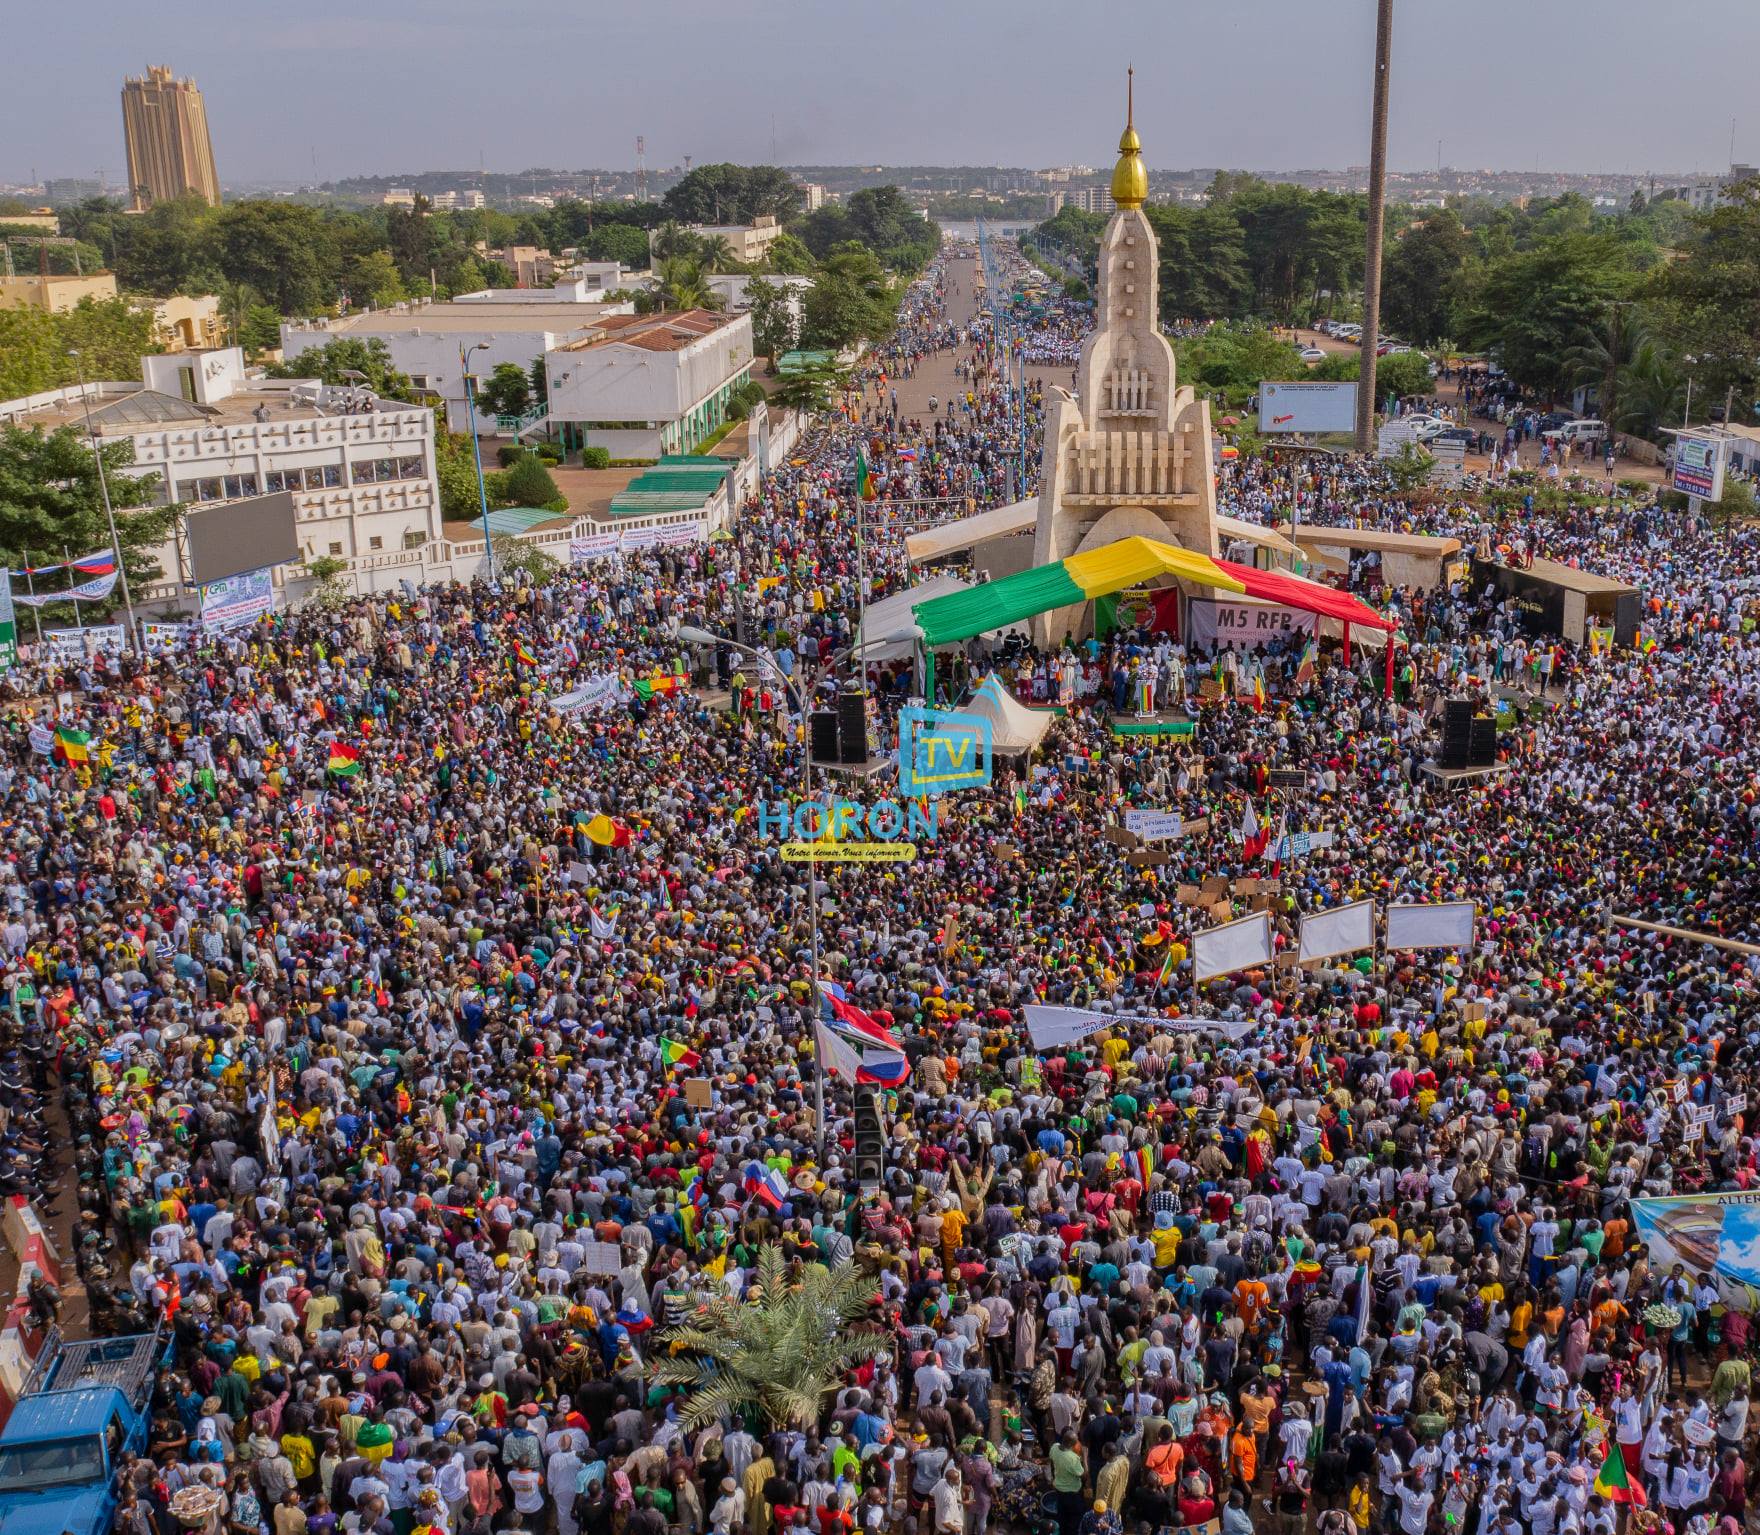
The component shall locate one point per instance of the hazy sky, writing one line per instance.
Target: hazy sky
(384, 86)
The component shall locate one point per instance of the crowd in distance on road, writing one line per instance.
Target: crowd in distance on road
(376, 1065)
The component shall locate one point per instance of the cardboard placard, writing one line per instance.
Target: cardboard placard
(1119, 837)
(1289, 960)
(1196, 828)
(1248, 886)
(1214, 886)
(1472, 1012)
(1189, 895)
(1146, 857)
(1223, 911)
(698, 1093)
(1209, 689)
(602, 1257)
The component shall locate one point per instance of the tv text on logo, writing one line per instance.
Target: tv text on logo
(941, 750)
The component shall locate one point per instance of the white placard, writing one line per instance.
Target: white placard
(1233, 946)
(1446, 925)
(837, 1055)
(1693, 1131)
(1152, 825)
(602, 1257)
(1297, 844)
(594, 693)
(1680, 1092)
(238, 600)
(1735, 1104)
(1343, 930)
(42, 740)
(579, 873)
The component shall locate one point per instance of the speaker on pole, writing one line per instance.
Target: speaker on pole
(870, 1138)
(852, 727)
(822, 734)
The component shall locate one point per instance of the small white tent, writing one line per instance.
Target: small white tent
(1014, 728)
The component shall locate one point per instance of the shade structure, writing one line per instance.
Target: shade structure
(1097, 573)
(1297, 592)
(889, 631)
(1014, 728)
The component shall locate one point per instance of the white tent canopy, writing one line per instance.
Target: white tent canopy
(1014, 728)
(890, 628)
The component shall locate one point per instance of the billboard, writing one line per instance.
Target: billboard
(1308, 407)
(1717, 1235)
(238, 600)
(240, 536)
(1698, 464)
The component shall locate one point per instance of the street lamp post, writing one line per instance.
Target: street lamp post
(104, 490)
(702, 637)
(470, 401)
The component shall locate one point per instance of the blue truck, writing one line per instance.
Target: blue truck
(83, 1408)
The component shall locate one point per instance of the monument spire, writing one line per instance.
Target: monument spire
(1130, 178)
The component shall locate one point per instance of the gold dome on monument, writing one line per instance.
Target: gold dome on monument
(1130, 177)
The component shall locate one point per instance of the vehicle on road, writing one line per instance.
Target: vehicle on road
(83, 1407)
(1576, 433)
(1313, 354)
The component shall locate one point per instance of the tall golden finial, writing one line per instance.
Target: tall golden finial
(1130, 178)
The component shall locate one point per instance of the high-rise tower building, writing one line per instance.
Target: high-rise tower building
(166, 128)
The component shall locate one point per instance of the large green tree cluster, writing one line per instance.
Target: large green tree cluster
(733, 194)
(879, 218)
(36, 348)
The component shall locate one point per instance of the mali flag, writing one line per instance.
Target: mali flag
(675, 1054)
(345, 760)
(656, 686)
(520, 653)
(864, 477)
(75, 745)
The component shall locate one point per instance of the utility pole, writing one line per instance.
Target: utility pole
(1377, 207)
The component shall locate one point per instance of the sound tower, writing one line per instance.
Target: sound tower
(870, 1138)
(1457, 730)
(852, 727)
(822, 734)
(1482, 742)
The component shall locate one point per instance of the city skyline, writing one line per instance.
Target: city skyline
(1522, 91)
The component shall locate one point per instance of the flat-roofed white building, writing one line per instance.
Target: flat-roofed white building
(643, 385)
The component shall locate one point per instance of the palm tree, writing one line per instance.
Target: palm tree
(671, 240)
(1601, 354)
(1651, 392)
(716, 252)
(811, 390)
(237, 299)
(780, 1350)
(683, 285)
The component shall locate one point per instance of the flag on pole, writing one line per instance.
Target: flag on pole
(865, 487)
(345, 760)
(1258, 692)
(1613, 1482)
(1145, 1166)
(675, 1054)
(74, 745)
(1254, 837)
(1308, 665)
(657, 686)
(765, 1183)
(884, 1068)
(521, 654)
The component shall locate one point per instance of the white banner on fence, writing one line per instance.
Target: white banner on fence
(595, 546)
(640, 538)
(595, 693)
(1050, 1028)
(1152, 825)
(1343, 930)
(1233, 946)
(66, 644)
(1246, 624)
(238, 600)
(94, 590)
(684, 532)
(1448, 925)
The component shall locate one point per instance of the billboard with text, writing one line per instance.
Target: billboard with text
(1311, 407)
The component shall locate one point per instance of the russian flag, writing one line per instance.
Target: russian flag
(884, 1068)
(907, 455)
(852, 1022)
(765, 1183)
(97, 564)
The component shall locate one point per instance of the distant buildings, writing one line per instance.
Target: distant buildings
(397, 197)
(70, 191)
(748, 243)
(814, 195)
(186, 324)
(450, 202)
(165, 127)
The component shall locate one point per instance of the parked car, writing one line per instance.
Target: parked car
(1576, 433)
(1464, 434)
(1312, 354)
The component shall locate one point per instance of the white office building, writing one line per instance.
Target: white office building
(361, 468)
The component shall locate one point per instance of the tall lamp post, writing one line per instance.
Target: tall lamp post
(104, 489)
(470, 401)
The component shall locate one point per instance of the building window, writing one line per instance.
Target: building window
(211, 489)
(414, 540)
(375, 543)
(336, 548)
(410, 468)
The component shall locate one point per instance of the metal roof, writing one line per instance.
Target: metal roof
(60, 1414)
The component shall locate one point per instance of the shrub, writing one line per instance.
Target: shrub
(509, 454)
(595, 458)
(550, 453)
(527, 483)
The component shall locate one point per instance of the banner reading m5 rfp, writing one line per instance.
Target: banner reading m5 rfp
(940, 750)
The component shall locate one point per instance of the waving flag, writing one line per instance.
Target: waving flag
(765, 1184)
(675, 1054)
(521, 654)
(865, 487)
(850, 1021)
(1612, 1481)
(1254, 837)
(345, 760)
(884, 1068)
(1306, 667)
(74, 745)
(97, 564)
(602, 928)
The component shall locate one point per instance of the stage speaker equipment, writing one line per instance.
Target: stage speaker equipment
(822, 734)
(870, 1137)
(1482, 743)
(1457, 731)
(852, 727)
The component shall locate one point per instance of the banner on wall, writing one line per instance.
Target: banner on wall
(159, 637)
(1051, 1028)
(1246, 624)
(71, 644)
(1717, 1235)
(238, 600)
(1447, 925)
(595, 546)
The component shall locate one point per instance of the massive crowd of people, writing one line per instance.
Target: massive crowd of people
(432, 1054)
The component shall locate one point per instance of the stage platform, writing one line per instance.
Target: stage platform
(1460, 778)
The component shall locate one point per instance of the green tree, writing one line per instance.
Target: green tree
(455, 468)
(778, 1351)
(684, 285)
(1398, 374)
(622, 243)
(35, 346)
(671, 240)
(337, 360)
(1534, 306)
(1707, 303)
(1230, 361)
(810, 390)
(1420, 277)
(261, 331)
(850, 299)
(50, 499)
(526, 482)
(773, 327)
(1202, 272)
(733, 194)
(520, 557)
(329, 591)
(788, 257)
(507, 393)
(286, 251)
(171, 248)
(1651, 393)
(1409, 468)
(373, 279)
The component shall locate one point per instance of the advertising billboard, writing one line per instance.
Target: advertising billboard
(242, 536)
(1698, 464)
(1308, 407)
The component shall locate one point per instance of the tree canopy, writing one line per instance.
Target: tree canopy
(733, 194)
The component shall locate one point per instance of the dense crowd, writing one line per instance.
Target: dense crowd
(433, 1054)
